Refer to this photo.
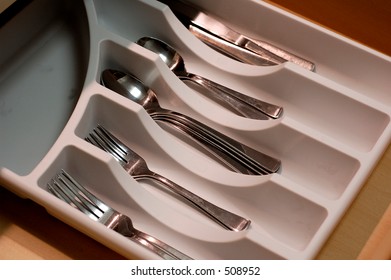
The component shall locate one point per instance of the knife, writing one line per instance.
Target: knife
(233, 51)
(228, 41)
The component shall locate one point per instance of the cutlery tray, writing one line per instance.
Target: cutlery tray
(335, 127)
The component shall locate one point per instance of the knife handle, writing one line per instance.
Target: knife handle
(250, 51)
(229, 49)
(262, 47)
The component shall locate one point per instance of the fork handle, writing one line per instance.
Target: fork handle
(224, 217)
(157, 250)
(159, 247)
(123, 225)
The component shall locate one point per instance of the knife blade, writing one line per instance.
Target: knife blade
(212, 32)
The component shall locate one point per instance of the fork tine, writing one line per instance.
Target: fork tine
(110, 137)
(96, 201)
(56, 189)
(96, 141)
(68, 189)
(62, 191)
(112, 148)
(74, 192)
(115, 144)
(105, 147)
(102, 140)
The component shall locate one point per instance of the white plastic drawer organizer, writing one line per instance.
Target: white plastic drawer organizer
(335, 126)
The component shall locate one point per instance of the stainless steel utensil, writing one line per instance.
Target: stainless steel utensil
(233, 50)
(246, 159)
(230, 161)
(191, 16)
(243, 104)
(137, 167)
(65, 187)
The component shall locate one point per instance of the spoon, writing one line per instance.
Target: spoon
(237, 156)
(243, 104)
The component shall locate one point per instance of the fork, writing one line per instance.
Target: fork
(137, 167)
(65, 187)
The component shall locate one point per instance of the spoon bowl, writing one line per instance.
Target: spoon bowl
(129, 87)
(168, 54)
(241, 104)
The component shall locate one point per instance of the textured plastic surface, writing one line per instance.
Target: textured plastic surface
(335, 127)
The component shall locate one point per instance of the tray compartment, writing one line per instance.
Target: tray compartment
(337, 58)
(325, 107)
(41, 77)
(278, 212)
(104, 179)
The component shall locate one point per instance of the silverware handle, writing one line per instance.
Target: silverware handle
(266, 49)
(159, 247)
(243, 103)
(193, 16)
(233, 163)
(254, 161)
(124, 226)
(224, 217)
(263, 53)
(157, 250)
(231, 50)
(250, 51)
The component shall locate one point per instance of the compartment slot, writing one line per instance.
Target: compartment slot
(328, 109)
(40, 81)
(280, 213)
(336, 57)
(308, 162)
(130, 19)
(104, 181)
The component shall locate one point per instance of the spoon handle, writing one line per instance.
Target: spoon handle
(253, 161)
(223, 156)
(245, 104)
